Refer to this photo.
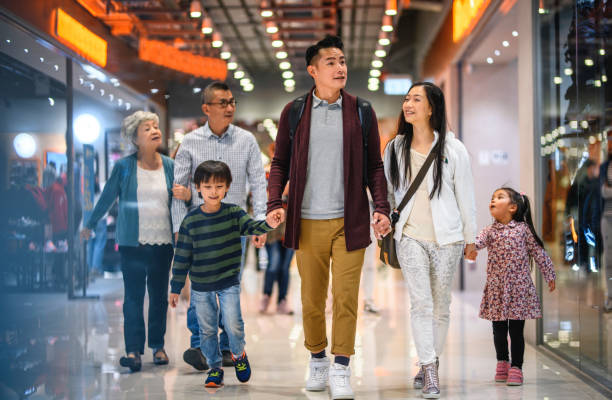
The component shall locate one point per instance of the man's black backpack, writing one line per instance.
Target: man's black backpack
(364, 108)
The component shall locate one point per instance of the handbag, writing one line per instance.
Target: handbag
(388, 251)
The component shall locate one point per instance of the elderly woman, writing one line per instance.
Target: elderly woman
(143, 183)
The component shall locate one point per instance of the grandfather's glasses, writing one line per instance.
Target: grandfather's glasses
(224, 103)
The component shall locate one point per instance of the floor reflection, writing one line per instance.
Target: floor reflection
(51, 348)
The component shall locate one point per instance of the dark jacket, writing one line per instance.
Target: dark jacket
(356, 212)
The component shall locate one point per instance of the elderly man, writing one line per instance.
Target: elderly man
(221, 141)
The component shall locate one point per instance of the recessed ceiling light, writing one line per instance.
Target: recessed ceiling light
(497, 53)
(239, 74)
(384, 41)
(375, 73)
(267, 13)
(281, 55)
(568, 71)
(489, 60)
(284, 65)
(515, 33)
(377, 64)
(277, 43)
(154, 91)
(232, 65)
(289, 82)
(557, 80)
(245, 81)
(505, 43)
(380, 53)
(588, 62)
(225, 55)
(287, 75)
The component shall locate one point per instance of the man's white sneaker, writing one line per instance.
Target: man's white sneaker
(340, 382)
(319, 374)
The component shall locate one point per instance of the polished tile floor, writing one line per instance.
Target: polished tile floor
(70, 350)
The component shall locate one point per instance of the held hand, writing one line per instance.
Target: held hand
(85, 234)
(551, 286)
(381, 224)
(276, 217)
(173, 300)
(259, 241)
(181, 192)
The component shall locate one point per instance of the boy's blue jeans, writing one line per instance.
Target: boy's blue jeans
(192, 319)
(208, 316)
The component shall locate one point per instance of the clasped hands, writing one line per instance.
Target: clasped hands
(381, 223)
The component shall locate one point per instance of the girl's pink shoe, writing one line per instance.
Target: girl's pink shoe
(515, 377)
(501, 372)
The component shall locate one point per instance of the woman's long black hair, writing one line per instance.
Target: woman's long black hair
(523, 211)
(437, 123)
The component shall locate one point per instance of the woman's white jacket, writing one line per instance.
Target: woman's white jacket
(454, 209)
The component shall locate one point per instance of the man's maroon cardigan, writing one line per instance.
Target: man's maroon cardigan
(356, 211)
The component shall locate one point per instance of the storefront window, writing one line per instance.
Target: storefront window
(576, 144)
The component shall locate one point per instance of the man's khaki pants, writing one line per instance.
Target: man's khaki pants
(320, 242)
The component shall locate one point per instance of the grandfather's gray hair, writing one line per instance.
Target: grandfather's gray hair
(209, 91)
(129, 127)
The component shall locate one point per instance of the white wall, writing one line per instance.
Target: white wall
(490, 123)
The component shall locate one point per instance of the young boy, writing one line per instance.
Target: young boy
(209, 250)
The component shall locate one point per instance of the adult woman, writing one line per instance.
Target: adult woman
(143, 183)
(435, 225)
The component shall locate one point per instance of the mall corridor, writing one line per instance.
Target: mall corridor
(74, 348)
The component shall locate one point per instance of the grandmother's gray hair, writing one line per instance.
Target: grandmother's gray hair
(129, 127)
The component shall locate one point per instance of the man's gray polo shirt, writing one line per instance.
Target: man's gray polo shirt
(324, 191)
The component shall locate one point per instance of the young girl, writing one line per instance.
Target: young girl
(509, 295)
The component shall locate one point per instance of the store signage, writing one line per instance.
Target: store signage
(466, 14)
(80, 39)
(167, 56)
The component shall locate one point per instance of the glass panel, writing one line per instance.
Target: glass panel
(575, 61)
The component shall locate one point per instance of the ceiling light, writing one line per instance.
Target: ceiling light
(289, 89)
(287, 75)
(56, 67)
(505, 43)
(489, 60)
(8, 41)
(195, 10)
(281, 55)
(111, 97)
(373, 81)
(271, 27)
(542, 10)
(51, 101)
(216, 41)
(239, 74)
(604, 78)
(588, 62)
(284, 65)
(120, 101)
(387, 25)
(380, 53)
(597, 83)
(289, 82)
(584, 124)
(568, 71)
(26, 51)
(384, 41)
(42, 59)
(101, 92)
(226, 55)
(375, 73)
(245, 81)
(154, 90)
(391, 8)
(497, 53)
(128, 106)
(267, 13)
(277, 43)
(197, 90)
(515, 33)
(573, 124)
(248, 88)
(602, 52)
(373, 88)
(232, 65)
(207, 27)
(377, 64)
(557, 80)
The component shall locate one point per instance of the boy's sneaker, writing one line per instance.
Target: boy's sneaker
(515, 377)
(243, 368)
(501, 372)
(319, 374)
(194, 357)
(340, 382)
(215, 378)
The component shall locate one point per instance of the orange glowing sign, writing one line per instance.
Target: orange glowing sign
(466, 14)
(167, 56)
(80, 39)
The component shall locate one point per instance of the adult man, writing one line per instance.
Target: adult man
(327, 214)
(221, 141)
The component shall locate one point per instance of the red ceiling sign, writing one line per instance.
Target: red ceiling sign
(167, 56)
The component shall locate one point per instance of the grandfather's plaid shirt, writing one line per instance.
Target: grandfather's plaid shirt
(239, 150)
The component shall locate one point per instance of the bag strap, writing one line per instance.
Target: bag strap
(364, 109)
(417, 180)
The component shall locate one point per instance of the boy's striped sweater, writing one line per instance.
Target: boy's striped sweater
(209, 248)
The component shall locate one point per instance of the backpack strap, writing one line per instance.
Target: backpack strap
(364, 108)
(295, 114)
